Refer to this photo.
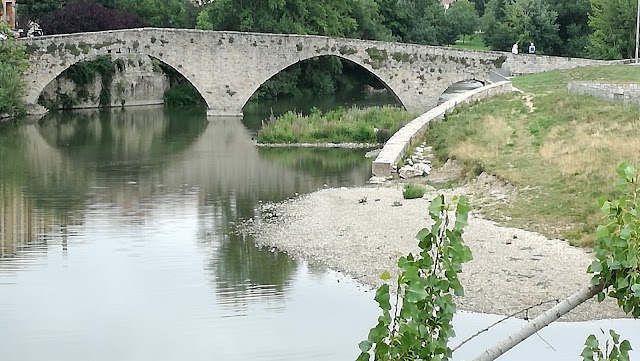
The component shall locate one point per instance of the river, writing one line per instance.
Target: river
(117, 242)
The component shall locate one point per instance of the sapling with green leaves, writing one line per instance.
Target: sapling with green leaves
(420, 326)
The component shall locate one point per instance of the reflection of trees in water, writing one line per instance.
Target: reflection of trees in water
(224, 160)
(240, 270)
(119, 137)
(130, 161)
(317, 162)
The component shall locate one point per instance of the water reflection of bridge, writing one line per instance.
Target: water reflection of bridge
(136, 169)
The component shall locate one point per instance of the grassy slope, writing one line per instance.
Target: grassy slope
(562, 155)
(473, 42)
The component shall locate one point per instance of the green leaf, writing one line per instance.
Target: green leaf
(622, 282)
(365, 346)
(416, 293)
(602, 231)
(423, 234)
(636, 290)
(382, 297)
(625, 346)
(587, 354)
(614, 336)
(436, 206)
(595, 267)
(385, 276)
(592, 342)
(601, 296)
(363, 357)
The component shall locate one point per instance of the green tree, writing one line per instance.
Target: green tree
(161, 13)
(491, 21)
(521, 21)
(463, 18)
(573, 22)
(35, 9)
(370, 23)
(395, 16)
(613, 23)
(12, 64)
(203, 21)
(479, 5)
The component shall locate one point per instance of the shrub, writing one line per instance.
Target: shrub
(12, 63)
(412, 191)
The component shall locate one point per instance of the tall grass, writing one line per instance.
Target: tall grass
(335, 126)
(561, 156)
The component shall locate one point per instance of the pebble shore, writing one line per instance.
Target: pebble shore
(363, 231)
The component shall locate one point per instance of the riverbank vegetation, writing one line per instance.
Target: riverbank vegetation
(12, 64)
(372, 125)
(550, 144)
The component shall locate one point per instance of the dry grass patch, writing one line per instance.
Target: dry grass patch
(561, 154)
(591, 148)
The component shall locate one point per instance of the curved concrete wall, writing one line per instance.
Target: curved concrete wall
(396, 147)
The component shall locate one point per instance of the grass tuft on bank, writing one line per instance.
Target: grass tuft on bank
(560, 150)
(342, 125)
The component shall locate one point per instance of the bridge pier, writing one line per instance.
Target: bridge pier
(223, 113)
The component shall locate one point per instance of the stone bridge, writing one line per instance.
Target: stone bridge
(228, 67)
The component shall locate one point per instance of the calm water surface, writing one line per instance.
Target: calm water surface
(117, 242)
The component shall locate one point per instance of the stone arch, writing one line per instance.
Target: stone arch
(273, 72)
(460, 78)
(442, 88)
(36, 89)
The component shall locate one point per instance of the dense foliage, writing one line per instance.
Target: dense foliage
(159, 13)
(587, 28)
(85, 16)
(12, 63)
(522, 22)
(614, 24)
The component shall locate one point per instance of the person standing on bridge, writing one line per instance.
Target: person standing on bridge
(532, 49)
(514, 49)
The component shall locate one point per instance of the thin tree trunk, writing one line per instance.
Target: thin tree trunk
(539, 323)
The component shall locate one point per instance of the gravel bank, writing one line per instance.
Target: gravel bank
(512, 268)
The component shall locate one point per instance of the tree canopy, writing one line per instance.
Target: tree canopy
(85, 16)
(614, 27)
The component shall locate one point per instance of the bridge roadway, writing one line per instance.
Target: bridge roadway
(228, 67)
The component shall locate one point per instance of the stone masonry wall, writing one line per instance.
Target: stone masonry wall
(403, 139)
(228, 67)
(138, 84)
(628, 93)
